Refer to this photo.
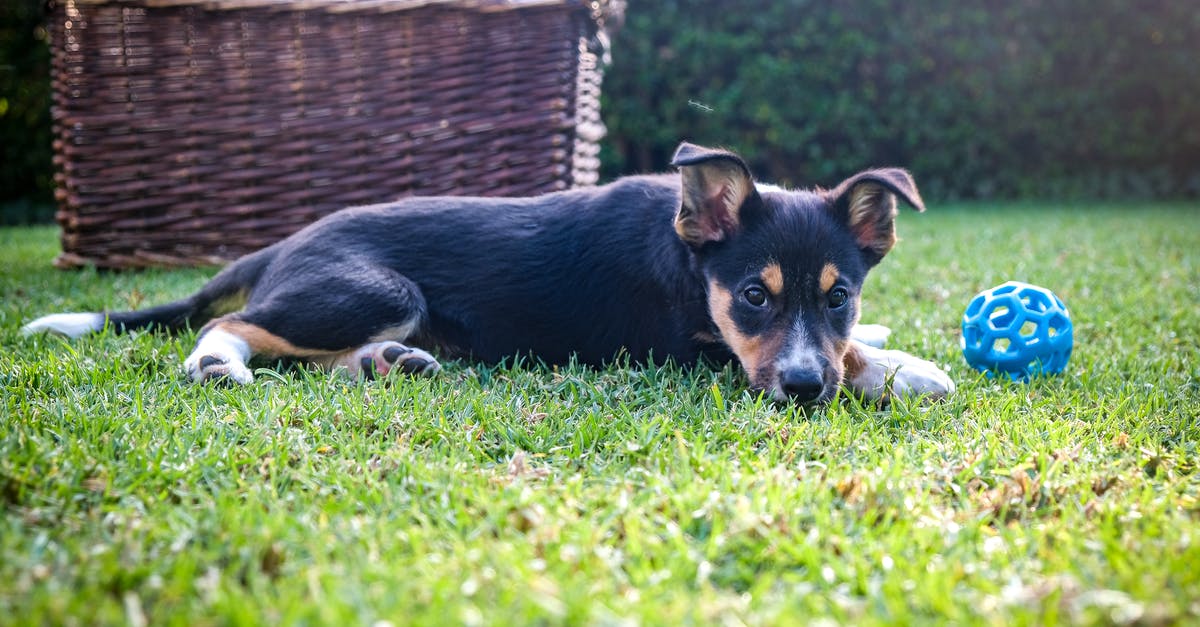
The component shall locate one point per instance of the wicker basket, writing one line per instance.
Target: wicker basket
(192, 132)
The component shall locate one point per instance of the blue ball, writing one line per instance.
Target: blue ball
(1017, 329)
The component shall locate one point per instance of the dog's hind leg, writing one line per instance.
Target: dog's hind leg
(355, 322)
(227, 346)
(378, 359)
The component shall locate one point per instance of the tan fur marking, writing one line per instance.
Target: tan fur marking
(847, 351)
(853, 362)
(757, 353)
(747, 349)
(685, 228)
(863, 199)
(709, 186)
(829, 276)
(228, 304)
(263, 342)
(733, 191)
(872, 217)
(772, 277)
(399, 333)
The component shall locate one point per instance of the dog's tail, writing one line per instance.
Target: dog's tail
(226, 292)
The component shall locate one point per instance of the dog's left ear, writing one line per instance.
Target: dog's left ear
(716, 186)
(866, 202)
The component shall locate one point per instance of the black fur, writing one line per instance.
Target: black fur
(587, 272)
(584, 272)
(195, 310)
(592, 273)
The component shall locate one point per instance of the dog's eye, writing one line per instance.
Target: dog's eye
(755, 295)
(838, 297)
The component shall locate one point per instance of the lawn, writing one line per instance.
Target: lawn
(646, 494)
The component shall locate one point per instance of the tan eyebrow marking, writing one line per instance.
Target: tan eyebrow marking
(829, 276)
(772, 277)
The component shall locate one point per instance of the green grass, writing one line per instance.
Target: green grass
(645, 494)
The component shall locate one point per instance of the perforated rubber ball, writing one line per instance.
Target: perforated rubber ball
(1017, 329)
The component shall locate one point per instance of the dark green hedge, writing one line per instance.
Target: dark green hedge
(25, 170)
(1062, 98)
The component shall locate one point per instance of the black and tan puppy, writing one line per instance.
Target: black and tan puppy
(703, 264)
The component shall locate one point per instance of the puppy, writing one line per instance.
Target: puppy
(703, 265)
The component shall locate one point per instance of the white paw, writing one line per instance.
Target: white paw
(870, 334)
(217, 367)
(896, 373)
(918, 377)
(219, 356)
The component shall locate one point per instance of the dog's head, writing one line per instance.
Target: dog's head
(784, 269)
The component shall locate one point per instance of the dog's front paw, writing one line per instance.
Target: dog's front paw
(205, 367)
(918, 377)
(887, 373)
(870, 334)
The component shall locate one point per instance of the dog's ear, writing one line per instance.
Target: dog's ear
(716, 186)
(866, 202)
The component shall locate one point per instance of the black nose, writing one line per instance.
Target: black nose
(803, 386)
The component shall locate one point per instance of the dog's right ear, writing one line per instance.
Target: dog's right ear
(866, 202)
(716, 185)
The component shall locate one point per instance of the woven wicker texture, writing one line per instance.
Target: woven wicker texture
(194, 132)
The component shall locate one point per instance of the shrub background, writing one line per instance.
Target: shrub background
(1069, 98)
(26, 177)
(1063, 99)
